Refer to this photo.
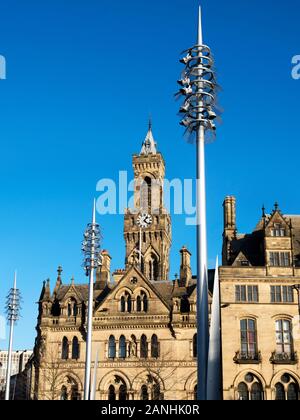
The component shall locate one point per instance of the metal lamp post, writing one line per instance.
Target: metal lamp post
(92, 260)
(199, 109)
(13, 313)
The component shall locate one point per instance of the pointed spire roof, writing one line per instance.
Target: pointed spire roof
(149, 146)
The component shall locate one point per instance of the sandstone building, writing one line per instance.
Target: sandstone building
(260, 287)
(144, 325)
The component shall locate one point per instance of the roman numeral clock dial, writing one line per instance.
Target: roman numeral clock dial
(144, 220)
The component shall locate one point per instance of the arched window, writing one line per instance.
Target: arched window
(293, 392)
(129, 304)
(284, 341)
(126, 303)
(144, 347)
(195, 346)
(69, 310)
(156, 396)
(243, 392)
(72, 308)
(248, 339)
(146, 194)
(123, 393)
(144, 393)
(196, 393)
(280, 393)
(257, 392)
(112, 347)
(139, 304)
(65, 349)
(75, 396)
(75, 309)
(75, 349)
(123, 304)
(122, 348)
(185, 305)
(154, 347)
(153, 268)
(111, 393)
(64, 394)
(145, 302)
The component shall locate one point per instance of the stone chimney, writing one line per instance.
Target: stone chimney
(103, 273)
(230, 228)
(185, 267)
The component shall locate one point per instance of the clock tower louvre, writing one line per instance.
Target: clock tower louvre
(147, 227)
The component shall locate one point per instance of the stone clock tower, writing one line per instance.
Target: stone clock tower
(147, 227)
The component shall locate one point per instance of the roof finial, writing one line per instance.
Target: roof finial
(150, 122)
(263, 212)
(276, 206)
(59, 270)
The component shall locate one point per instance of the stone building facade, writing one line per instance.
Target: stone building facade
(144, 324)
(260, 282)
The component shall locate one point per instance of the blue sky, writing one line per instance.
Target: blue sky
(82, 78)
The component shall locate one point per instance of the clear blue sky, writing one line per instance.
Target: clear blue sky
(82, 77)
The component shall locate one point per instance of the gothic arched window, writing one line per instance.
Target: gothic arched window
(64, 393)
(75, 349)
(280, 392)
(144, 393)
(123, 304)
(112, 347)
(146, 194)
(75, 396)
(154, 347)
(293, 392)
(145, 302)
(257, 392)
(153, 268)
(129, 303)
(111, 393)
(139, 304)
(123, 393)
(144, 347)
(243, 392)
(195, 346)
(65, 349)
(122, 348)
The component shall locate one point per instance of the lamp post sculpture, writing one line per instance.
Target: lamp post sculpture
(13, 313)
(199, 110)
(92, 260)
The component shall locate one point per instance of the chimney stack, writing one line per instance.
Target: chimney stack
(185, 267)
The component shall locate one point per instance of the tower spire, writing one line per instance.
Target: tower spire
(149, 145)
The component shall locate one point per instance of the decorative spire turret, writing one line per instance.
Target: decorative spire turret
(149, 146)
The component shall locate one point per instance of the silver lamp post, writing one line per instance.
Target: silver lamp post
(92, 260)
(199, 110)
(13, 313)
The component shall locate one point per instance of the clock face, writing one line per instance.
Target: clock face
(144, 220)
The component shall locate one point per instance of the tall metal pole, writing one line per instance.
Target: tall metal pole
(199, 88)
(91, 249)
(13, 308)
(202, 321)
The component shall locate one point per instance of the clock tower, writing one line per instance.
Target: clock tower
(147, 227)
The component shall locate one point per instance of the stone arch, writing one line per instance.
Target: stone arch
(277, 379)
(240, 379)
(116, 378)
(148, 378)
(190, 386)
(121, 291)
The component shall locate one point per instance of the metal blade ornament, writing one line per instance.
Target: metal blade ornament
(92, 260)
(199, 111)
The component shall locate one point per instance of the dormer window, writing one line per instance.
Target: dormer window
(278, 231)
